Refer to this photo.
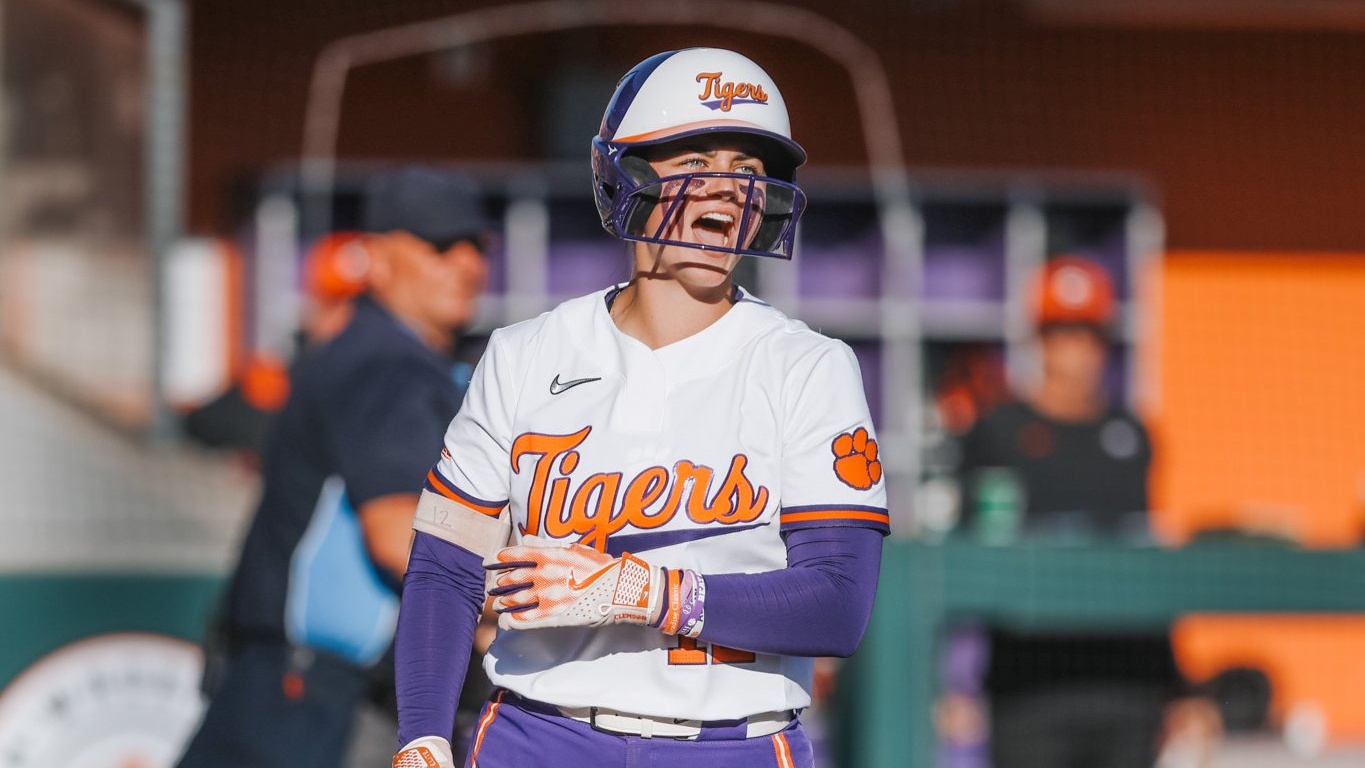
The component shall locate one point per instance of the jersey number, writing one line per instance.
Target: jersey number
(687, 652)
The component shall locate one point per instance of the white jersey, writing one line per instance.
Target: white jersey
(695, 455)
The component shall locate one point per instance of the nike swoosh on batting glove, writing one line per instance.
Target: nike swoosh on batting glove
(542, 583)
(426, 752)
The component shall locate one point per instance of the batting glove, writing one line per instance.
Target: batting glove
(426, 752)
(541, 583)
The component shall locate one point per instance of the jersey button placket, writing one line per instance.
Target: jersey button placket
(644, 392)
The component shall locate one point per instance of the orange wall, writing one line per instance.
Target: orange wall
(1259, 414)
(1314, 660)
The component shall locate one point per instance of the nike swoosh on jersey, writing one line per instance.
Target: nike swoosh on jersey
(643, 542)
(556, 387)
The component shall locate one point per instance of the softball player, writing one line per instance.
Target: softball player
(671, 490)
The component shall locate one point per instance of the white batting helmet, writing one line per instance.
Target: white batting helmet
(680, 94)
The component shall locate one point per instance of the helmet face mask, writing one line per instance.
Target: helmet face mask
(650, 209)
(701, 94)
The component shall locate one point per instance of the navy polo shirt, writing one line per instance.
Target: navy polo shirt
(366, 418)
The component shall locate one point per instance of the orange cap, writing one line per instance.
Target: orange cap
(1070, 289)
(336, 267)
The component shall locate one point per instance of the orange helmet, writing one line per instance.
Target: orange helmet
(336, 267)
(1071, 289)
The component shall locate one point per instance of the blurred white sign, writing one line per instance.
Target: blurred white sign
(110, 701)
(197, 316)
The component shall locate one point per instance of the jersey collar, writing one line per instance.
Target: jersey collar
(700, 354)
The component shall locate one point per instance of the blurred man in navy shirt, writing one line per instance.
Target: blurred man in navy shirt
(313, 601)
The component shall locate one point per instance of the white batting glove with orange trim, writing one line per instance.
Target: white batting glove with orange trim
(542, 583)
(426, 752)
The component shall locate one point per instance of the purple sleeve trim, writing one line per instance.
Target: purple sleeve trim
(835, 516)
(819, 605)
(833, 507)
(453, 488)
(442, 600)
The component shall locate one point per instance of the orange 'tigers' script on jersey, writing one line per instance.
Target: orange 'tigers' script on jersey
(600, 506)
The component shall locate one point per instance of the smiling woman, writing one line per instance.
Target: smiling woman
(692, 510)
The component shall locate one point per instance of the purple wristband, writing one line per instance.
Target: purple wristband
(691, 604)
(692, 614)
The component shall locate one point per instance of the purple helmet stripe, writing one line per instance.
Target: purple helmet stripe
(625, 92)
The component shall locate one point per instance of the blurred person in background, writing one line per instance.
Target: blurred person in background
(335, 273)
(1064, 460)
(1079, 461)
(313, 602)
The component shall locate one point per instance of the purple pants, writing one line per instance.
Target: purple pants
(513, 733)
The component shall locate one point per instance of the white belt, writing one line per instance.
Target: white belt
(763, 724)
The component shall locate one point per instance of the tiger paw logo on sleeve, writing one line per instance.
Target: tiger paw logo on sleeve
(855, 459)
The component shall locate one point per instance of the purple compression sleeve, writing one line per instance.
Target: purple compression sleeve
(442, 600)
(818, 605)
